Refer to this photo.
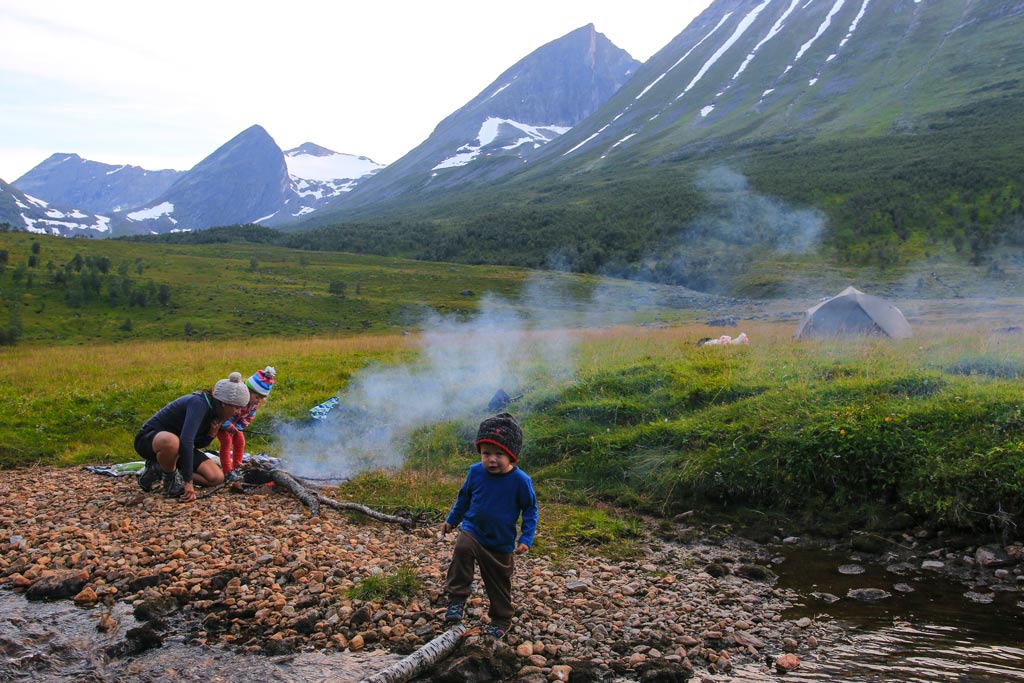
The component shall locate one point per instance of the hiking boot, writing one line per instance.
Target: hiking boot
(455, 612)
(149, 475)
(174, 485)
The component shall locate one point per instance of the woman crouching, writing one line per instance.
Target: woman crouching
(169, 441)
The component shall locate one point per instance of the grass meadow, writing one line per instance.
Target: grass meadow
(868, 433)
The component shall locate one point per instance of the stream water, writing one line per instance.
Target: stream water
(47, 642)
(933, 633)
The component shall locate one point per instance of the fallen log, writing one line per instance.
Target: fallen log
(421, 660)
(307, 497)
(369, 512)
(258, 475)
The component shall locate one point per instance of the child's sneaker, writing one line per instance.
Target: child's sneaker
(174, 485)
(492, 631)
(455, 612)
(149, 475)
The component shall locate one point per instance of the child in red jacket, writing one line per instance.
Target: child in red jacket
(232, 431)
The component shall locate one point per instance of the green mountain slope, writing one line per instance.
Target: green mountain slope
(899, 123)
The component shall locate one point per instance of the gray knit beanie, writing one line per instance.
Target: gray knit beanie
(232, 390)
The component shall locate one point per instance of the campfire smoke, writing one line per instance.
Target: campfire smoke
(462, 363)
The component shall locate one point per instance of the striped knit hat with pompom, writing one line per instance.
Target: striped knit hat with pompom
(262, 381)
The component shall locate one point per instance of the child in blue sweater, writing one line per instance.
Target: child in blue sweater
(495, 495)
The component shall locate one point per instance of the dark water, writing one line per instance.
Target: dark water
(933, 633)
(930, 635)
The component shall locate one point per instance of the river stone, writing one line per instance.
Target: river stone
(900, 568)
(980, 598)
(933, 565)
(136, 641)
(992, 556)
(868, 544)
(903, 588)
(58, 585)
(786, 663)
(560, 672)
(755, 572)
(851, 569)
(867, 594)
(827, 598)
(476, 663)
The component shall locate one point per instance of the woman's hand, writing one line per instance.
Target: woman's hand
(189, 494)
(522, 549)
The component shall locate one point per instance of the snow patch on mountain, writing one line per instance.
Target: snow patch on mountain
(163, 209)
(333, 166)
(683, 58)
(774, 31)
(55, 221)
(744, 24)
(821, 29)
(504, 134)
(646, 90)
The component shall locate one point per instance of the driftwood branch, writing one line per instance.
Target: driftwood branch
(369, 512)
(307, 497)
(421, 660)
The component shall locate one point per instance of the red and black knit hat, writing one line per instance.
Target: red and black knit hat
(503, 431)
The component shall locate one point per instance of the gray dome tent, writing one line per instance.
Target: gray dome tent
(852, 313)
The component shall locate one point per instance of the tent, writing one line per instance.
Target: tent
(853, 313)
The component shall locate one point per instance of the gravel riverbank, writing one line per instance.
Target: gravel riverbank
(256, 572)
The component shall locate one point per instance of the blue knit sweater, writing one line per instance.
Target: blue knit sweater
(489, 505)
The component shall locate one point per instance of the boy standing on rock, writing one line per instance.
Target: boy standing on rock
(494, 496)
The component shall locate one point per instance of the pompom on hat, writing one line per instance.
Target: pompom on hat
(503, 431)
(262, 381)
(232, 390)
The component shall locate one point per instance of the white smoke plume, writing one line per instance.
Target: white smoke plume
(514, 346)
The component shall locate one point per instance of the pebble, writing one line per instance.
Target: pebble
(261, 574)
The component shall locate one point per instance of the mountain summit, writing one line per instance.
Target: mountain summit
(768, 69)
(243, 181)
(70, 180)
(532, 103)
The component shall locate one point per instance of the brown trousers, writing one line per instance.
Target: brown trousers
(495, 570)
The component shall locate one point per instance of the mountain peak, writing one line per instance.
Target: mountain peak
(310, 149)
(533, 102)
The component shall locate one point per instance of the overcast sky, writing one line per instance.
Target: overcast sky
(164, 84)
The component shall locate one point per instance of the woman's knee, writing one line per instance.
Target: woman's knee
(209, 471)
(165, 443)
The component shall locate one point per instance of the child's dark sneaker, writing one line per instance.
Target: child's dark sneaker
(149, 475)
(455, 612)
(492, 631)
(174, 485)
